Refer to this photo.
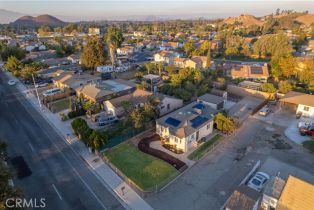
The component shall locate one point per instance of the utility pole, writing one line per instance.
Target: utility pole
(36, 90)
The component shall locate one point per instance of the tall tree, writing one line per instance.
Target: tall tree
(13, 65)
(93, 54)
(208, 59)
(114, 39)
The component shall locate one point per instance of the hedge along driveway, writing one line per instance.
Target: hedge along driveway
(145, 171)
(204, 148)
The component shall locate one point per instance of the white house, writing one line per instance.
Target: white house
(302, 103)
(185, 127)
(272, 192)
(216, 102)
(165, 56)
(105, 69)
(125, 50)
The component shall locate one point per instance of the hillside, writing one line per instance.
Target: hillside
(37, 21)
(245, 20)
(7, 16)
(307, 19)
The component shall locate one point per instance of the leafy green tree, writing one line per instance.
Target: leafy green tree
(27, 72)
(8, 51)
(189, 47)
(149, 67)
(93, 54)
(170, 69)
(268, 88)
(97, 140)
(44, 30)
(126, 105)
(114, 39)
(13, 65)
(284, 86)
(208, 59)
(137, 117)
(224, 124)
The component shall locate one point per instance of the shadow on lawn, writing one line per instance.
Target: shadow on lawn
(143, 145)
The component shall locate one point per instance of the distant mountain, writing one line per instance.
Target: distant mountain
(38, 21)
(245, 20)
(7, 16)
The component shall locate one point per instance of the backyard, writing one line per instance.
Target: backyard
(146, 172)
(204, 148)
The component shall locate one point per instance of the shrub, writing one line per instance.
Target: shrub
(76, 113)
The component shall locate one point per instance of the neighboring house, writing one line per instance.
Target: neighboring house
(104, 69)
(104, 90)
(187, 126)
(136, 98)
(95, 31)
(72, 81)
(169, 45)
(41, 55)
(216, 102)
(139, 33)
(243, 198)
(272, 192)
(300, 102)
(127, 50)
(166, 56)
(196, 62)
(168, 104)
(245, 71)
(75, 58)
(220, 93)
(296, 195)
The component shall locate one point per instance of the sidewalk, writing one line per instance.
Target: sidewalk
(131, 200)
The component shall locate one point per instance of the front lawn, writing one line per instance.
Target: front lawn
(60, 105)
(309, 145)
(146, 171)
(203, 149)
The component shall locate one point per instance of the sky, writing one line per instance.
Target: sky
(75, 10)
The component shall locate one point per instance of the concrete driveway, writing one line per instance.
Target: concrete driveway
(293, 134)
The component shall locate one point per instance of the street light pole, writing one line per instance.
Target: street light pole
(36, 90)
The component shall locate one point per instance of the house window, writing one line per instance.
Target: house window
(306, 108)
(208, 126)
(168, 106)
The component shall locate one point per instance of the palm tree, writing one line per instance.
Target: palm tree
(114, 39)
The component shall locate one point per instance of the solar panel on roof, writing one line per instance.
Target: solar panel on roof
(197, 121)
(199, 106)
(172, 121)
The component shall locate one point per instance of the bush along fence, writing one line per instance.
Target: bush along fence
(94, 139)
(205, 148)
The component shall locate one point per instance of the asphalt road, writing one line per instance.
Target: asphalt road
(59, 175)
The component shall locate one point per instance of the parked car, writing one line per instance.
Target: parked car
(11, 82)
(51, 92)
(307, 130)
(106, 120)
(305, 124)
(264, 111)
(258, 181)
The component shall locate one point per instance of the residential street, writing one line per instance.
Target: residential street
(58, 174)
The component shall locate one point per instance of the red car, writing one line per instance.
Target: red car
(307, 131)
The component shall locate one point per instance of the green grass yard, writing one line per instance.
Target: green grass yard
(203, 149)
(60, 105)
(144, 170)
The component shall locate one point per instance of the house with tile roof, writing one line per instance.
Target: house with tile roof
(246, 71)
(187, 126)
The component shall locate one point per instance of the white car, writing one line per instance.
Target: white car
(303, 124)
(258, 181)
(11, 82)
(51, 92)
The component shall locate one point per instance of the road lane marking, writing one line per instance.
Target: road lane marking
(31, 146)
(54, 187)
